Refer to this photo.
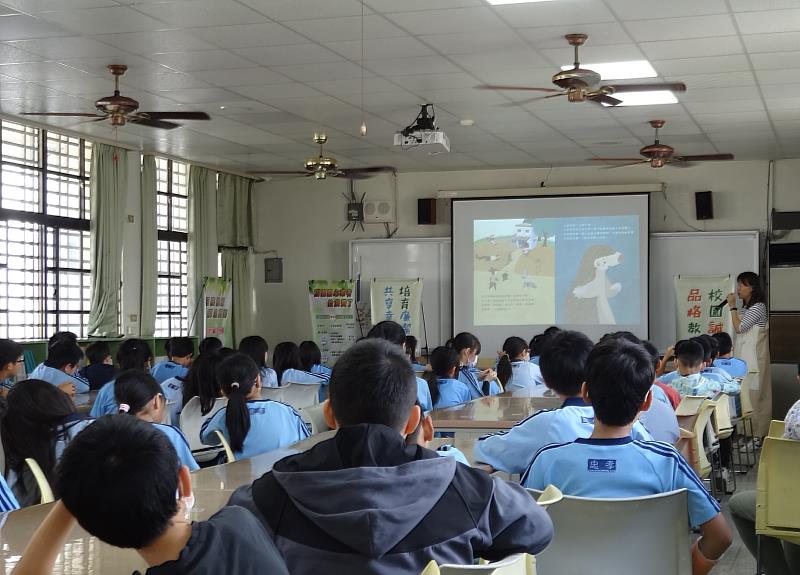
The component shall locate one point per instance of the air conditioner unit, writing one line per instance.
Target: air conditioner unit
(379, 212)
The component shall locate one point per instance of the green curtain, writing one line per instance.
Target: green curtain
(234, 211)
(147, 301)
(108, 191)
(236, 268)
(202, 240)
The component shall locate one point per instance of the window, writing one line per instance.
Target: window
(44, 232)
(172, 314)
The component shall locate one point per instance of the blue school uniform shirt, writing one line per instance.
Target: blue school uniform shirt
(524, 375)
(716, 374)
(512, 451)
(165, 370)
(451, 392)
(173, 393)
(660, 420)
(618, 468)
(733, 365)
(273, 425)
(180, 444)
(452, 451)
(321, 369)
(469, 376)
(417, 367)
(424, 395)
(105, 403)
(535, 359)
(300, 376)
(268, 377)
(699, 385)
(7, 500)
(57, 377)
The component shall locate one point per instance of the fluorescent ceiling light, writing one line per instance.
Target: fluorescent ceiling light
(620, 70)
(502, 2)
(646, 98)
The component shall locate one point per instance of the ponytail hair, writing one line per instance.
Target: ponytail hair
(237, 375)
(443, 360)
(134, 353)
(134, 389)
(513, 347)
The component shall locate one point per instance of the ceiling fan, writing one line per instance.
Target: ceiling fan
(658, 154)
(121, 109)
(580, 84)
(323, 166)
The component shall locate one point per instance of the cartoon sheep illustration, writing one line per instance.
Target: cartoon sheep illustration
(587, 302)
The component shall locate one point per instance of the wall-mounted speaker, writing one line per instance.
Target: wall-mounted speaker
(426, 211)
(703, 206)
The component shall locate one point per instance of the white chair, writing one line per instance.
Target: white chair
(45, 492)
(300, 395)
(647, 534)
(273, 393)
(228, 451)
(192, 420)
(512, 565)
(314, 416)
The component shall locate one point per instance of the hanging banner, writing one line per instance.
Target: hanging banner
(333, 317)
(217, 309)
(399, 300)
(697, 304)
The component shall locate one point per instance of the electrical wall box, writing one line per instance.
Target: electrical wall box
(379, 212)
(273, 270)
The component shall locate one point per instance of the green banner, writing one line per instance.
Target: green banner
(333, 317)
(217, 310)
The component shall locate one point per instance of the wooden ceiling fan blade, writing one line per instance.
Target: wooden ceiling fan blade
(703, 158)
(161, 125)
(623, 88)
(530, 100)
(605, 99)
(174, 115)
(64, 114)
(628, 164)
(371, 170)
(506, 87)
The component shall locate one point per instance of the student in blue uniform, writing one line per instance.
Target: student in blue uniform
(140, 395)
(411, 352)
(286, 360)
(37, 421)
(209, 344)
(133, 353)
(480, 383)
(172, 389)
(538, 342)
(423, 435)
(710, 352)
(257, 349)
(179, 353)
(201, 382)
(11, 362)
(734, 366)
(61, 366)
(690, 380)
(611, 463)
(393, 332)
(660, 420)
(446, 391)
(563, 364)
(101, 368)
(514, 370)
(311, 359)
(8, 502)
(145, 506)
(251, 425)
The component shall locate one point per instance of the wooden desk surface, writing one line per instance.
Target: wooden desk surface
(491, 413)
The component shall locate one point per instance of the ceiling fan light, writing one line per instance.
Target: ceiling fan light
(620, 70)
(363, 130)
(645, 98)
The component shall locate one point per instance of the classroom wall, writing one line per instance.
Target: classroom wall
(303, 219)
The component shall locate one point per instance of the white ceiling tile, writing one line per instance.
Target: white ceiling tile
(87, 86)
(380, 102)
(387, 6)
(381, 48)
(732, 63)
(692, 48)
(517, 59)
(99, 66)
(593, 54)
(712, 80)
(556, 13)
(200, 60)
(198, 95)
(164, 81)
(776, 60)
(250, 35)
(781, 42)
(714, 94)
(158, 40)
(321, 71)
(252, 76)
(285, 10)
(725, 106)
(505, 157)
(10, 54)
(276, 91)
(644, 9)
(728, 118)
(187, 13)
(116, 19)
(22, 27)
(289, 55)
(418, 83)
(680, 28)
(521, 76)
(33, 6)
(411, 66)
(42, 72)
(72, 47)
(769, 21)
(553, 36)
(448, 21)
(472, 42)
(345, 87)
(347, 28)
(767, 77)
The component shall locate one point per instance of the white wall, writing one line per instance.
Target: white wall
(303, 219)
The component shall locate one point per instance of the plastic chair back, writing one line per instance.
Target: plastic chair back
(548, 497)
(228, 451)
(191, 420)
(723, 426)
(690, 405)
(744, 394)
(777, 504)
(512, 565)
(273, 393)
(46, 494)
(702, 430)
(313, 414)
(776, 428)
(300, 395)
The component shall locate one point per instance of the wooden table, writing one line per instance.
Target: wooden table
(488, 414)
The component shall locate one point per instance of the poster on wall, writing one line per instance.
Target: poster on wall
(217, 309)
(399, 300)
(333, 317)
(698, 300)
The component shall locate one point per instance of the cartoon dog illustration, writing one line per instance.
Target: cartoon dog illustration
(588, 302)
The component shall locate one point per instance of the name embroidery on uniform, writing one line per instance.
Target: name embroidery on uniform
(257, 410)
(589, 420)
(602, 465)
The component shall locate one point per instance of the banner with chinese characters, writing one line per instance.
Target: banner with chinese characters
(217, 309)
(333, 317)
(698, 300)
(399, 300)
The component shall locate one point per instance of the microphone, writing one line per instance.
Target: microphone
(719, 306)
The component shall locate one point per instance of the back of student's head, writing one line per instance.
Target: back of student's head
(713, 346)
(256, 348)
(705, 345)
(63, 354)
(513, 348)
(208, 344)
(10, 352)
(372, 382)
(465, 340)
(180, 347)
(724, 342)
(60, 336)
(134, 353)
(444, 364)
(286, 356)
(237, 375)
(388, 330)
(118, 477)
(29, 421)
(411, 348)
(690, 353)
(201, 381)
(134, 389)
(97, 352)
(310, 355)
(619, 374)
(653, 351)
(563, 361)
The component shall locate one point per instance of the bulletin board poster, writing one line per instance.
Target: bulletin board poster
(333, 317)
(697, 303)
(217, 309)
(398, 300)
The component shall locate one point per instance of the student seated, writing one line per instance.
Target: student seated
(257, 349)
(563, 364)
(133, 353)
(411, 352)
(660, 420)
(480, 382)
(538, 342)
(11, 363)
(101, 368)
(179, 357)
(725, 360)
(61, 366)
(139, 395)
(365, 502)
(251, 425)
(445, 390)
(311, 359)
(37, 421)
(611, 463)
(423, 435)
(133, 493)
(209, 344)
(710, 354)
(514, 370)
(690, 381)
(286, 361)
(201, 382)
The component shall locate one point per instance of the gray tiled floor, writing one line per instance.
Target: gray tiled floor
(737, 560)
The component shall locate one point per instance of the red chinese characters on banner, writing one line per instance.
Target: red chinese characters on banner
(714, 327)
(694, 295)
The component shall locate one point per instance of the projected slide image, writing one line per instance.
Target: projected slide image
(514, 269)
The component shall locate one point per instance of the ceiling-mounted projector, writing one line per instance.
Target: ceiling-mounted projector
(423, 132)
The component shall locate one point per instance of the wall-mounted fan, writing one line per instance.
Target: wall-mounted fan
(580, 84)
(323, 166)
(121, 109)
(658, 154)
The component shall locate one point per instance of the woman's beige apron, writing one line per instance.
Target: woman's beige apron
(753, 348)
